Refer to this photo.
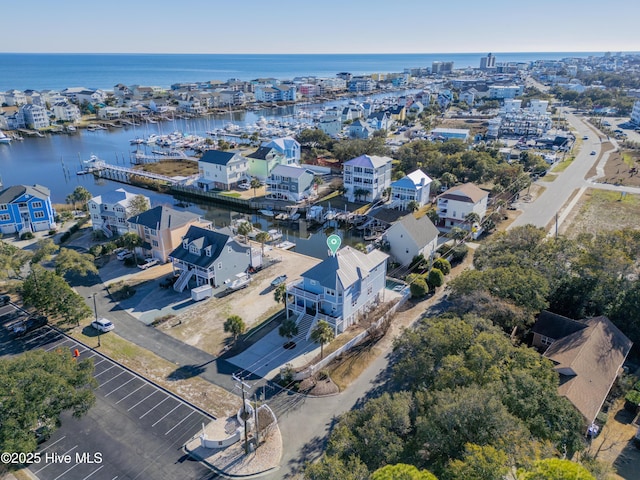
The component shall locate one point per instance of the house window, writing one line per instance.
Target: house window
(313, 282)
(219, 264)
(38, 214)
(94, 206)
(4, 217)
(207, 251)
(4, 206)
(155, 243)
(36, 205)
(546, 341)
(229, 249)
(369, 289)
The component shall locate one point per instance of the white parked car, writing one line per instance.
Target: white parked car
(244, 186)
(103, 325)
(124, 254)
(148, 262)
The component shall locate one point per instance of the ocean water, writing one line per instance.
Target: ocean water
(57, 71)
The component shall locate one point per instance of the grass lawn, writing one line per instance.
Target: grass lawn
(562, 166)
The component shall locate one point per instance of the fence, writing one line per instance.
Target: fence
(351, 343)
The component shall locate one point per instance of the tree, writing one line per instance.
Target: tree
(255, 184)
(79, 195)
(435, 278)
(235, 326)
(417, 285)
(361, 192)
(432, 213)
(361, 247)
(138, 205)
(402, 471)
(37, 386)
(263, 237)
(457, 234)
(51, 295)
(69, 260)
(412, 206)
(288, 329)
(313, 138)
(322, 333)
(555, 469)
(45, 248)
(244, 229)
(331, 467)
(131, 241)
(471, 218)
(443, 265)
(480, 463)
(448, 179)
(12, 260)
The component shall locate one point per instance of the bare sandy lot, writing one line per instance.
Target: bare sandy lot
(201, 325)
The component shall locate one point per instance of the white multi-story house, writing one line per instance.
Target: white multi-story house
(338, 290)
(109, 113)
(366, 177)
(635, 113)
(456, 203)
(35, 116)
(109, 212)
(15, 98)
(505, 91)
(330, 123)
(290, 182)
(410, 237)
(222, 170)
(412, 187)
(66, 112)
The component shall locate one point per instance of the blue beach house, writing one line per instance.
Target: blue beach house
(26, 209)
(339, 290)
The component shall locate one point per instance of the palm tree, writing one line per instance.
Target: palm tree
(449, 179)
(322, 333)
(288, 329)
(472, 218)
(235, 326)
(413, 205)
(263, 237)
(361, 192)
(280, 296)
(458, 234)
(255, 184)
(245, 229)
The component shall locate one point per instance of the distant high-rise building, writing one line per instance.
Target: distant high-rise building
(441, 67)
(488, 62)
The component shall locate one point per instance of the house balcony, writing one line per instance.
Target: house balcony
(298, 292)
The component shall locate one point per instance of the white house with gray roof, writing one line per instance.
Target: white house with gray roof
(290, 182)
(339, 289)
(222, 170)
(161, 229)
(287, 146)
(366, 177)
(412, 187)
(410, 237)
(109, 212)
(454, 205)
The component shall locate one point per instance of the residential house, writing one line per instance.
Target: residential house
(35, 116)
(468, 96)
(109, 113)
(360, 129)
(410, 237)
(263, 161)
(635, 114)
(209, 257)
(66, 112)
(110, 211)
(290, 182)
(380, 121)
(360, 84)
(25, 208)
(162, 228)
(451, 133)
(366, 177)
(456, 203)
(330, 123)
(415, 186)
(222, 170)
(587, 354)
(287, 146)
(339, 289)
(15, 98)
(397, 113)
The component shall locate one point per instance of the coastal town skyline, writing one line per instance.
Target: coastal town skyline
(337, 27)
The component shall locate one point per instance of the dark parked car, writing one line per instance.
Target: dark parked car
(31, 323)
(4, 299)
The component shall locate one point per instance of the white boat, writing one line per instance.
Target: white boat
(275, 235)
(4, 138)
(286, 245)
(242, 281)
(267, 213)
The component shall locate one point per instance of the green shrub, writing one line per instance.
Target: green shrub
(633, 398)
(458, 253)
(443, 265)
(26, 236)
(53, 231)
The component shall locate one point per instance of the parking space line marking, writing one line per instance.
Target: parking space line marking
(143, 399)
(156, 406)
(100, 467)
(37, 337)
(70, 468)
(98, 363)
(96, 376)
(168, 413)
(112, 378)
(118, 388)
(65, 453)
(169, 431)
(143, 385)
(62, 438)
(57, 345)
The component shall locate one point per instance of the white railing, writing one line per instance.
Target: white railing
(183, 280)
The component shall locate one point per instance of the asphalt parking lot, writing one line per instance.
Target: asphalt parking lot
(134, 431)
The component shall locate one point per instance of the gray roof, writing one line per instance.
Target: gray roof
(217, 157)
(10, 194)
(261, 153)
(291, 171)
(162, 217)
(421, 230)
(347, 266)
(201, 238)
(369, 161)
(120, 196)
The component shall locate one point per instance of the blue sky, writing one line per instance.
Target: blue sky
(321, 26)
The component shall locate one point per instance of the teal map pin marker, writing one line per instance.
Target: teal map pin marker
(333, 242)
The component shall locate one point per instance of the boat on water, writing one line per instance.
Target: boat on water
(4, 138)
(275, 235)
(286, 245)
(267, 213)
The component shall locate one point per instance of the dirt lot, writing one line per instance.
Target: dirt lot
(621, 169)
(202, 324)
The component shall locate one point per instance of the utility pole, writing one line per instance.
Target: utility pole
(95, 311)
(241, 384)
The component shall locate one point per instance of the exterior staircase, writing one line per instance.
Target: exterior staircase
(183, 280)
(305, 322)
(107, 233)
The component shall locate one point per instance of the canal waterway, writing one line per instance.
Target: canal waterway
(55, 159)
